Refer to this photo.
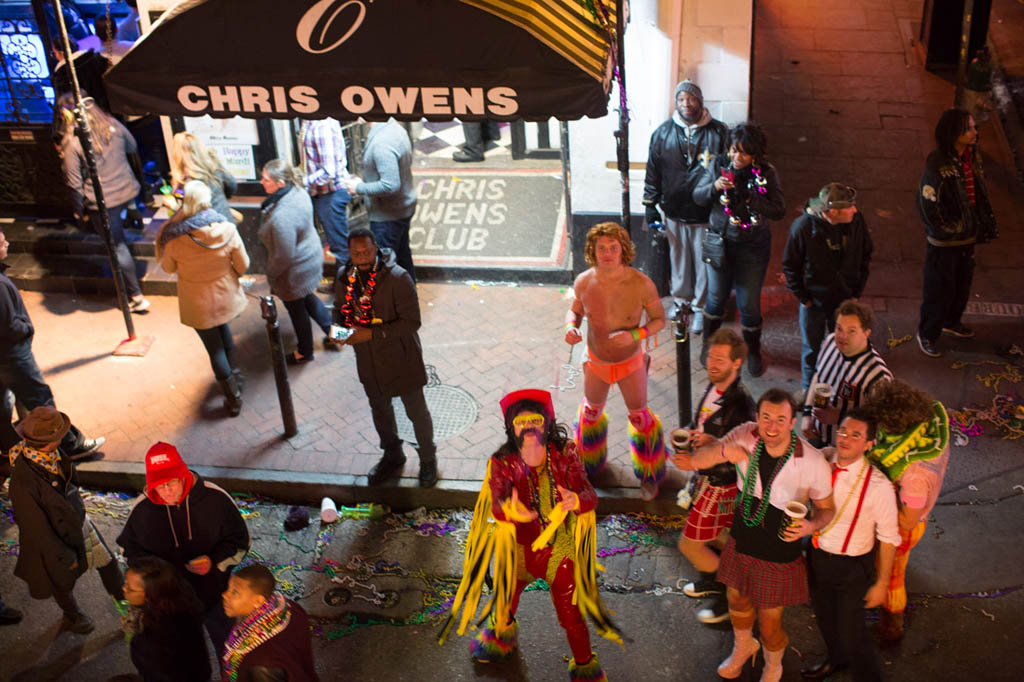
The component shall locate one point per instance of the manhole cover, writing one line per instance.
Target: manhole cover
(452, 409)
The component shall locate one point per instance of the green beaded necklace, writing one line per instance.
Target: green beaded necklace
(747, 496)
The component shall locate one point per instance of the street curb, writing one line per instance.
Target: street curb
(303, 488)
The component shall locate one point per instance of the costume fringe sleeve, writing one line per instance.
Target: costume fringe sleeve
(484, 542)
(585, 567)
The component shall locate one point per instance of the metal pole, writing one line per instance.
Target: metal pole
(83, 133)
(622, 134)
(965, 41)
(683, 388)
(284, 390)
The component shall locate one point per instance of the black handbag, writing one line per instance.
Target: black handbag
(713, 248)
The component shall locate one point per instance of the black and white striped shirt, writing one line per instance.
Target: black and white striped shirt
(850, 378)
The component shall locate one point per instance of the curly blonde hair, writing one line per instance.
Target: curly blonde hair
(615, 231)
(898, 406)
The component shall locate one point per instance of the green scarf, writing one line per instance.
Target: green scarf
(893, 453)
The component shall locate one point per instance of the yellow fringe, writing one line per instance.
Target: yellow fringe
(554, 523)
(585, 568)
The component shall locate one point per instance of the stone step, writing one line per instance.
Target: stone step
(82, 274)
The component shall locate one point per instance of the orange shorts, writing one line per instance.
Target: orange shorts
(614, 372)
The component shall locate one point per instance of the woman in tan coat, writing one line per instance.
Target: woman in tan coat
(204, 248)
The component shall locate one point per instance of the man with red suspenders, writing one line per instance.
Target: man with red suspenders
(843, 576)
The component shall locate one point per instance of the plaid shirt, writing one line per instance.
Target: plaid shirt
(323, 151)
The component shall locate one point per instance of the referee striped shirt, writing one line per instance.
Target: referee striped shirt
(850, 378)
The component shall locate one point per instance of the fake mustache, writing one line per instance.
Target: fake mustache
(536, 432)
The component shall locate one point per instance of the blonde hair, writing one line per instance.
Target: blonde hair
(191, 160)
(197, 197)
(101, 124)
(282, 171)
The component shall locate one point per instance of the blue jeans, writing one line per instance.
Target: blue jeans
(125, 263)
(815, 322)
(744, 267)
(332, 212)
(300, 310)
(20, 373)
(219, 346)
(394, 235)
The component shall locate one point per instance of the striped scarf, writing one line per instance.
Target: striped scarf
(259, 626)
(967, 162)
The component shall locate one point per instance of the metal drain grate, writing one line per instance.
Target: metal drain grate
(452, 409)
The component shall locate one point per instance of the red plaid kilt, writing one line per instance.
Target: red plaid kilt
(711, 513)
(767, 583)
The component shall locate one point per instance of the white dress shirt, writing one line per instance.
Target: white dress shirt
(878, 515)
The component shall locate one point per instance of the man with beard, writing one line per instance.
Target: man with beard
(376, 298)
(849, 366)
(763, 565)
(681, 149)
(825, 262)
(844, 579)
(725, 405)
(538, 493)
(614, 298)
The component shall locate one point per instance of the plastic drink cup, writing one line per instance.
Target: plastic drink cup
(328, 510)
(680, 439)
(822, 395)
(793, 512)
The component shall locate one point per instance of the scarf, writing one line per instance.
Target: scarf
(705, 118)
(269, 202)
(250, 632)
(173, 230)
(48, 460)
(893, 453)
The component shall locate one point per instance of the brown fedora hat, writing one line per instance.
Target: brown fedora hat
(44, 424)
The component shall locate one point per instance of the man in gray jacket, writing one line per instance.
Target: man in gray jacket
(377, 299)
(387, 182)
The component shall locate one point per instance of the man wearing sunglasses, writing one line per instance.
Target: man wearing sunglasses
(825, 262)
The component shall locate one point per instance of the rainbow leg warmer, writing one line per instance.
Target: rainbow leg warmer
(591, 430)
(647, 446)
(489, 646)
(588, 672)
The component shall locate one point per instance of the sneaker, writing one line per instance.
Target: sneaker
(462, 156)
(716, 611)
(138, 304)
(697, 325)
(703, 588)
(928, 347)
(9, 616)
(960, 330)
(80, 624)
(89, 448)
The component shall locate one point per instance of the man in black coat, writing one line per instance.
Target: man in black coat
(192, 524)
(377, 299)
(825, 262)
(681, 149)
(726, 404)
(19, 371)
(57, 541)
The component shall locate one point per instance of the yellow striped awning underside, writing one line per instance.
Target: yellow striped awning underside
(565, 26)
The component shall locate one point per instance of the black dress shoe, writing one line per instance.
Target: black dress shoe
(10, 616)
(820, 670)
(462, 156)
(387, 468)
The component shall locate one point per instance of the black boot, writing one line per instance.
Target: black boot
(755, 364)
(239, 378)
(711, 326)
(232, 395)
(389, 466)
(428, 466)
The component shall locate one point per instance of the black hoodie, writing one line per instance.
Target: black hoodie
(205, 522)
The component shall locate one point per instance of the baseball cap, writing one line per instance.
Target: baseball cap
(833, 195)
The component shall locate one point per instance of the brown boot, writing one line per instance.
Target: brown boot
(890, 627)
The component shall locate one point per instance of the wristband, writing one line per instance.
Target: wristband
(638, 333)
(808, 410)
(569, 326)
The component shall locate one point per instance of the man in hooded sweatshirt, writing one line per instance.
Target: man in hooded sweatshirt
(192, 524)
(681, 149)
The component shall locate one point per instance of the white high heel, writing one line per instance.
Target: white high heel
(731, 667)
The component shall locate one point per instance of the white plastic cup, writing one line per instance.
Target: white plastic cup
(680, 439)
(328, 510)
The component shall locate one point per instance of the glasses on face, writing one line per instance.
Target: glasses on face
(528, 421)
(843, 433)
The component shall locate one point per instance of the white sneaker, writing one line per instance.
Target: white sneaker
(138, 304)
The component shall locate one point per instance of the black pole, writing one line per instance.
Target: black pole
(622, 134)
(83, 133)
(683, 388)
(965, 40)
(284, 390)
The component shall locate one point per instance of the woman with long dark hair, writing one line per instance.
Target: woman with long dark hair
(112, 145)
(204, 249)
(294, 255)
(165, 625)
(744, 193)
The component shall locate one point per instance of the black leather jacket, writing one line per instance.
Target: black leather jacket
(675, 165)
(949, 219)
(735, 407)
(770, 206)
(824, 263)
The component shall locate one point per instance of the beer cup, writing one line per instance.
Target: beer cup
(680, 439)
(793, 512)
(822, 395)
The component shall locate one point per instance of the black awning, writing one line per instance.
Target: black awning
(411, 59)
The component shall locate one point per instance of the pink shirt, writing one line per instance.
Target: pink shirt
(921, 482)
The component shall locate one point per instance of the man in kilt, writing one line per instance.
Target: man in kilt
(726, 404)
(762, 565)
